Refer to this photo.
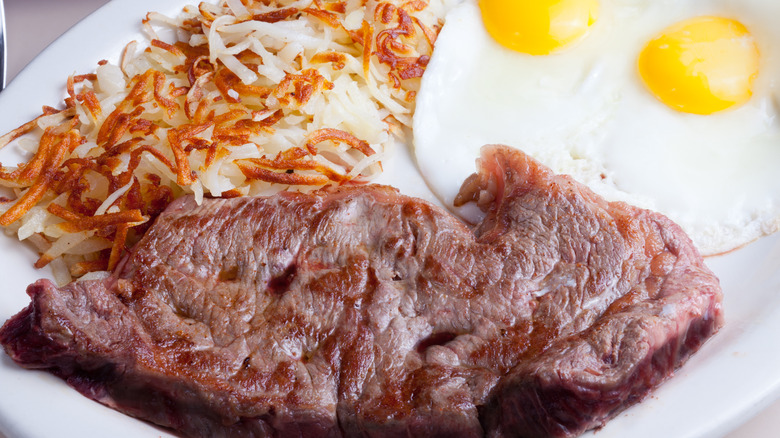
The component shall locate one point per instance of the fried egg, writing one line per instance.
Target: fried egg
(668, 105)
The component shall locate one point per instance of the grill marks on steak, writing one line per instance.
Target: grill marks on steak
(359, 311)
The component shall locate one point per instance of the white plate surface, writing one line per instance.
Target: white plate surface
(733, 376)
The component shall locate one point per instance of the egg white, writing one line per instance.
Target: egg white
(584, 111)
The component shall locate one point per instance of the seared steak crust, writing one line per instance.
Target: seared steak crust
(362, 312)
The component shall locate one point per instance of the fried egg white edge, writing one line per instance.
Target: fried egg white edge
(443, 74)
(445, 168)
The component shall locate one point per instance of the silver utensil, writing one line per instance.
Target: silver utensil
(3, 45)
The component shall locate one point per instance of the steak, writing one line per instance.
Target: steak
(357, 311)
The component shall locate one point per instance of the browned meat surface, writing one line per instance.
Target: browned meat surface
(362, 312)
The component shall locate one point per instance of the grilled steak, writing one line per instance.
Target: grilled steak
(358, 311)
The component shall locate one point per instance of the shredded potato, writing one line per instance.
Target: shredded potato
(230, 99)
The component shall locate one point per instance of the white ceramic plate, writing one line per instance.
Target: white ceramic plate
(733, 376)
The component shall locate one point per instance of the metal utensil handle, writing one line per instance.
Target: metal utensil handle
(3, 46)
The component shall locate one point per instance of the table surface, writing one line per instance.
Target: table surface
(32, 24)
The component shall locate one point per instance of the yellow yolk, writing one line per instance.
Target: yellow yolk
(537, 27)
(702, 65)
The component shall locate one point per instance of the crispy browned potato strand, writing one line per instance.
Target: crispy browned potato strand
(230, 99)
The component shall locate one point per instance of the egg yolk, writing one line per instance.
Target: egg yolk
(537, 27)
(702, 65)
